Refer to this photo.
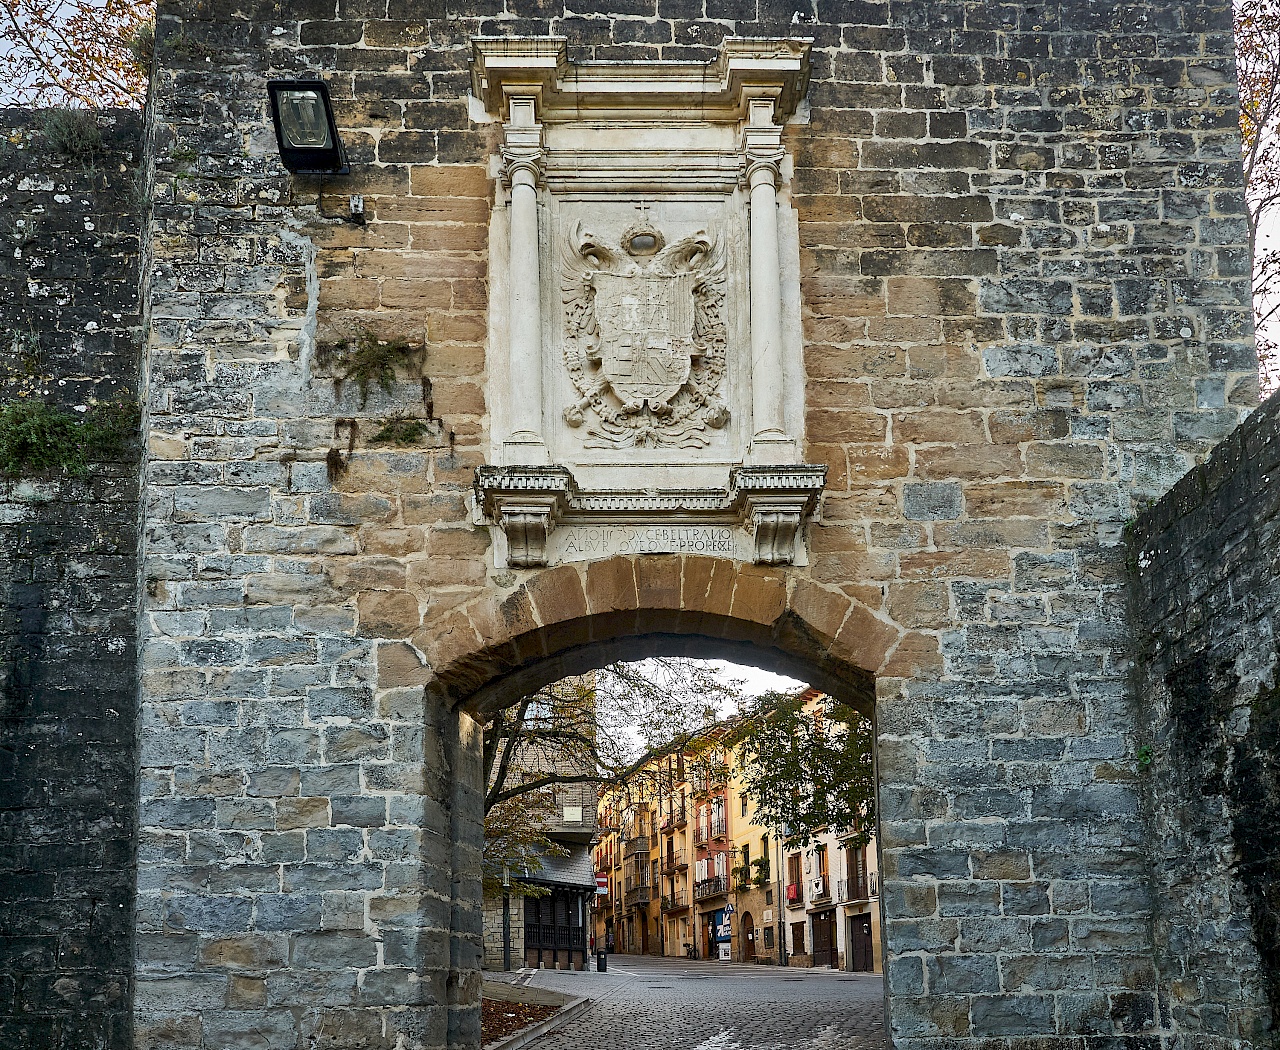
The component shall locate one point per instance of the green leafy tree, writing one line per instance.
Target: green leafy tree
(809, 765)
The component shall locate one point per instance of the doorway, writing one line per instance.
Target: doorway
(824, 939)
(861, 957)
(748, 938)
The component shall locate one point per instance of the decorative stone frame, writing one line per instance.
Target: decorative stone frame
(620, 130)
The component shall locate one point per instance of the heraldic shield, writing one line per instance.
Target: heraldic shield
(645, 342)
(646, 336)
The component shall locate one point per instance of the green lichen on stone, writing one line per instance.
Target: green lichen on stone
(38, 439)
(366, 360)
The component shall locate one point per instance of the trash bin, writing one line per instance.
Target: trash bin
(602, 961)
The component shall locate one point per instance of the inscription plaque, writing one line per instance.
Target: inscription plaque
(585, 542)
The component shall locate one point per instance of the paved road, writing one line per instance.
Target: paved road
(643, 1002)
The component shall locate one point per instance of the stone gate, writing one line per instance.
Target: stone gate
(839, 338)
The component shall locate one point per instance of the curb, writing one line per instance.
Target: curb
(570, 1010)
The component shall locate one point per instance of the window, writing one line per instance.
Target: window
(820, 860)
(744, 805)
(794, 870)
(768, 936)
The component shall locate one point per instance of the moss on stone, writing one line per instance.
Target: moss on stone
(366, 360)
(400, 429)
(39, 439)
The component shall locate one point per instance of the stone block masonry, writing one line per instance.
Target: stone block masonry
(1205, 590)
(1024, 295)
(69, 333)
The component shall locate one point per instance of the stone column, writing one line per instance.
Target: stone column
(522, 157)
(762, 147)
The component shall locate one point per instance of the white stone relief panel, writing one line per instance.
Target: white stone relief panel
(645, 355)
(644, 337)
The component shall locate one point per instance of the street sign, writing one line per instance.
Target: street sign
(729, 909)
(602, 885)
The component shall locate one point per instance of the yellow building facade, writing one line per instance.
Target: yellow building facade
(691, 872)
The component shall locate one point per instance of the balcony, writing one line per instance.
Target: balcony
(675, 901)
(820, 888)
(673, 860)
(701, 835)
(865, 889)
(716, 886)
(635, 844)
(677, 818)
(795, 894)
(719, 827)
(639, 897)
(550, 935)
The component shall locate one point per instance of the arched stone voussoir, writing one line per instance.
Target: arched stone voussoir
(569, 620)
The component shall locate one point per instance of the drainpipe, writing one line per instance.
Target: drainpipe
(506, 918)
(781, 905)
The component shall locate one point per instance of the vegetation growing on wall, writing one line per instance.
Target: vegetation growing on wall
(72, 133)
(366, 360)
(38, 439)
(402, 429)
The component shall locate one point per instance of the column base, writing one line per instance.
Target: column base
(521, 451)
(773, 447)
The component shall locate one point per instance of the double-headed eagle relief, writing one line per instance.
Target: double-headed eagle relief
(645, 337)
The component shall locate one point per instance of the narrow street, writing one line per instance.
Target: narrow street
(677, 1004)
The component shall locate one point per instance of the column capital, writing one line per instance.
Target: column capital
(522, 148)
(761, 144)
(521, 165)
(763, 168)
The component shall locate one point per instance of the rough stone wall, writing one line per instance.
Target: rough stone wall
(1206, 596)
(1024, 288)
(493, 953)
(69, 332)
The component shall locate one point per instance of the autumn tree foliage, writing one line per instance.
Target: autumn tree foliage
(604, 729)
(1257, 29)
(90, 53)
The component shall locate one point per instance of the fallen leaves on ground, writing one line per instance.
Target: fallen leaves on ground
(499, 1020)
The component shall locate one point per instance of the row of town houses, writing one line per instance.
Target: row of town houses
(683, 869)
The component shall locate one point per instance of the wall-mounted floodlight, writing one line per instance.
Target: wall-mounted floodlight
(306, 132)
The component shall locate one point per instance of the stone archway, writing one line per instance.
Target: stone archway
(572, 619)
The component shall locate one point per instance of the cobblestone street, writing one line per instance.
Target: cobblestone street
(679, 1005)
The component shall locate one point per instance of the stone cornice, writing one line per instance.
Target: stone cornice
(718, 93)
(528, 502)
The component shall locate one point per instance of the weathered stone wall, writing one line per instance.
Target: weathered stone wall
(69, 333)
(493, 947)
(1024, 296)
(1206, 598)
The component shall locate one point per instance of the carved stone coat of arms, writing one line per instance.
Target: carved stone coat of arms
(645, 338)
